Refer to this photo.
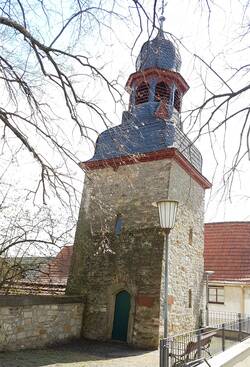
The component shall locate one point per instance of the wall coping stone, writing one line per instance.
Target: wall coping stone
(236, 355)
(29, 300)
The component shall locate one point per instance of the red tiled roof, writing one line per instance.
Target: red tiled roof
(227, 250)
(57, 270)
(24, 287)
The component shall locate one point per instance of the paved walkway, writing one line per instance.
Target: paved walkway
(82, 354)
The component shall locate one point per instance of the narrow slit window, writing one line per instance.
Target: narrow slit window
(162, 91)
(142, 93)
(118, 224)
(177, 100)
(189, 298)
(190, 236)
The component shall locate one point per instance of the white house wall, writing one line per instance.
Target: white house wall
(236, 299)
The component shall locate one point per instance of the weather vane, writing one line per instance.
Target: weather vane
(162, 18)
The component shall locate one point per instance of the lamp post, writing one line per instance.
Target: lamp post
(207, 274)
(167, 213)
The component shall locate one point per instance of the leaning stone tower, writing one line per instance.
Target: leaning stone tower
(118, 260)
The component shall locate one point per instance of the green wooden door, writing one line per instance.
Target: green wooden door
(121, 316)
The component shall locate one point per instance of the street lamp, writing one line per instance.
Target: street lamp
(167, 213)
(207, 274)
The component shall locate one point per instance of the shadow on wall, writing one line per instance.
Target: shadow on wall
(82, 351)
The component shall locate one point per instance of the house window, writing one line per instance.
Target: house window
(162, 91)
(189, 298)
(118, 224)
(142, 93)
(177, 100)
(216, 295)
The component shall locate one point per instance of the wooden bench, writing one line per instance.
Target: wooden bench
(202, 344)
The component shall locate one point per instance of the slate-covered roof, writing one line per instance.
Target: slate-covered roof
(128, 139)
(227, 250)
(160, 53)
(143, 130)
(142, 136)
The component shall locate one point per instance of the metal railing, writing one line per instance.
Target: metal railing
(198, 345)
(220, 317)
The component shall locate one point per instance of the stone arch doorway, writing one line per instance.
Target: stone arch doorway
(121, 316)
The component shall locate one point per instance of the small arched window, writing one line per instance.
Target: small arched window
(177, 100)
(162, 91)
(142, 93)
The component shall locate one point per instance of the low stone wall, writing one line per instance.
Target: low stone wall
(236, 356)
(36, 321)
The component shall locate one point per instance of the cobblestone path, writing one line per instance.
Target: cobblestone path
(84, 354)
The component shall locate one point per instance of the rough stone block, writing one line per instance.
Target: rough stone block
(146, 301)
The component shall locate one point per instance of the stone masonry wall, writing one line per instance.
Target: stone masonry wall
(105, 263)
(36, 321)
(130, 190)
(186, 244)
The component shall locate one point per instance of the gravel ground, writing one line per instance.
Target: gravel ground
(82, 354)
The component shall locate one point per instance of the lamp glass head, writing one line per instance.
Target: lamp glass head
(167, 212)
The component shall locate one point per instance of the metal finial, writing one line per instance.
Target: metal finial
(161, 21)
